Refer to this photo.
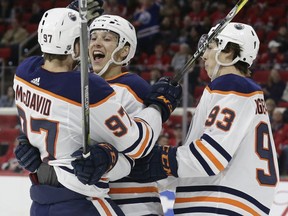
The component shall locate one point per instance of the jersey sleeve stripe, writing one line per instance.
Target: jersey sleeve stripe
(216, 145)
(139, 200)
(104, 206)
(201, 160)
(230, 191)
(210, 155)
(228, 201)
(145, 143)
(61, 97)
(204, 209)
(133, 190)
(133, 146)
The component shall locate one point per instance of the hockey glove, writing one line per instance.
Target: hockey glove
(94, 8)
(159, 164)
(165, 95)
(89, 168)
(27, 155)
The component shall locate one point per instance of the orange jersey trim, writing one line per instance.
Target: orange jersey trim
(218, 200)
(116, 76)
(124, 86)
(63, 98)
(129, 89)
(105, 208)
(145, 142)
(133, 190)
(233, 92)
(210, 155)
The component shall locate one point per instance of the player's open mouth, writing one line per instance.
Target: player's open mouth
(97, 56)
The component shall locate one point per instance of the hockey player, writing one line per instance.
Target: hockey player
(130, 90)
(49, 102)
(113, 44)
(228, 164)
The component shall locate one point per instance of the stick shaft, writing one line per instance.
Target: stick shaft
(187, 67)
(84, 74)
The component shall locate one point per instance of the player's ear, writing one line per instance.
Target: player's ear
(77, 47)
(124, 51)
(226, 55)
(229, 55)
(229, 52)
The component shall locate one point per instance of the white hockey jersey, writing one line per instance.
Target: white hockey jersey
(131, 197)
(49, 106)
(228, 164)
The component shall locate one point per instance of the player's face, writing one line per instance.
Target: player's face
(209, 58)
(101, 46)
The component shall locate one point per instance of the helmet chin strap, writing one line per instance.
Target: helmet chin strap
(76, 59)
(215, 73)
(112, 60)
(104, 69)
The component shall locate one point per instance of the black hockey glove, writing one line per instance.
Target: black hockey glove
(94, 8)
(158, 164)
(165, 95)
(89, 168)
(27, 155)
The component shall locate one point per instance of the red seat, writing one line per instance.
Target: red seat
(261, 76)
(8, 121)
(175, 119)
(284, 76)
(174, 47)
(168, 73)
(26, 17)
(197, 94)
(282, 104)
(9, 135)
(204, 76)
(261, 34)
(46, 5)
(271, 35)
(2, 29)
(146, 75)
(31, 28)
(7, 143)
(6, 151)
(61, 3)
(198, 91)
(263, 48)
(278, 11)
(5, 53)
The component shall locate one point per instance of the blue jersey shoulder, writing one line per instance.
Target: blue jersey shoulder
(65, 84)
(134, 82)
(29, 65)
(232, 82)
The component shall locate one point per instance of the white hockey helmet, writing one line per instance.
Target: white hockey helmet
(58, 30)
(123, 28)
(243, 35)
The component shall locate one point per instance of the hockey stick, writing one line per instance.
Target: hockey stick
(188, 65)
(84, 75)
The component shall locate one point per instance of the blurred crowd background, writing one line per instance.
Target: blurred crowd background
(168, 32)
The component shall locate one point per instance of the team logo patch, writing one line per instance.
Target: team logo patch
(72, 16)
(239, 26)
